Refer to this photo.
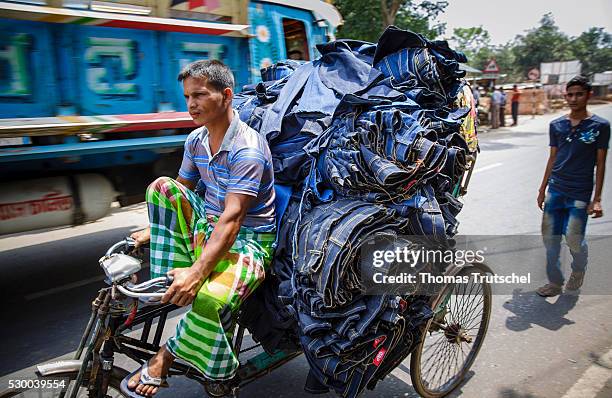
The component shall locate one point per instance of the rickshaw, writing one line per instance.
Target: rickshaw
(440, 358)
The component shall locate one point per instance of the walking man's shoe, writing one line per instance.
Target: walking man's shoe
(575, 281)
(549, 290)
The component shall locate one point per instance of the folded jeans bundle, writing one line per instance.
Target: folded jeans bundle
(375, 139)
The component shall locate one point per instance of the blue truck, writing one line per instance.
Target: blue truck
(90, 109)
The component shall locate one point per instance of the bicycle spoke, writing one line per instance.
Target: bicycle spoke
(459, 308)
(434, 357)
(444, 367)
(471, 302)
(450, 357)
(435, 360)
(441, 341)
(466, 322)
(445, 357)
(471, 322)
(477, 307)
(456, 360)
(459, 360)
(470, 306)
(439, 367)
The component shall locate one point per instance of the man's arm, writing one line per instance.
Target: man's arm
(187, 281)
(549, 165)
(600, 172)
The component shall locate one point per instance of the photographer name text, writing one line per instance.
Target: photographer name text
(475, 277)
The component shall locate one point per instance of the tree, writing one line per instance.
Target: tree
(503, 56)
(366, 19)
(546, 43)
(475, 43)
(389, 11)
(594, 50)
(471, 40)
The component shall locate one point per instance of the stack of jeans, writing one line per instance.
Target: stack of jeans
(372, 138)
(329, 241)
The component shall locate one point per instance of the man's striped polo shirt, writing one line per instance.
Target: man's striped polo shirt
(242, 165)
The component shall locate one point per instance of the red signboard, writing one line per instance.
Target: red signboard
(491, 67)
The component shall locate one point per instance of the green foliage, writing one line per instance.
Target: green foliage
(471, 40)
(594, 49)
(366, 20)
(475, 43)
(545, 43)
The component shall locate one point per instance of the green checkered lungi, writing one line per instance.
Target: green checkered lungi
(179, 231)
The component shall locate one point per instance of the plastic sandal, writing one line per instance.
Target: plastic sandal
(145, 379)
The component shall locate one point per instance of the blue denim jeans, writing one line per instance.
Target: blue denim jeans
(280, 70)
(567, 217)
(368, 136)
(327, 238)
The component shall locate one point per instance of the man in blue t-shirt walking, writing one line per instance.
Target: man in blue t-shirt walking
(578, 146)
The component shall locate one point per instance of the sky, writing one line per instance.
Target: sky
(504, 19)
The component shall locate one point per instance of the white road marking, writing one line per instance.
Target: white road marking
(489, 167)
(64, 287)
(593, 379)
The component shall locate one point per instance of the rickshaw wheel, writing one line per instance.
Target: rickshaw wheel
(451, 340)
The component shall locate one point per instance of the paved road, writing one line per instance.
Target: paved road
(534, 348)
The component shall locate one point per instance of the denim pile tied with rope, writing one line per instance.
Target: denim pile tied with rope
(375, 139)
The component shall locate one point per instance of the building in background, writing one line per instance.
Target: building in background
(602, 84)
(554, 76)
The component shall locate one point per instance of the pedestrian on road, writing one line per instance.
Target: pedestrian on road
(476, 94)
(217, 247)
(516, 95)
(578, 147)
(495, 104)
(502, 108)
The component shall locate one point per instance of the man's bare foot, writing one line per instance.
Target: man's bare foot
(158, 366)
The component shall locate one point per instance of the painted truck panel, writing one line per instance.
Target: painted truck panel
(184, 48)
(116, 69)
(80, 90)
(50, 69)
(27, 69)
(268, 43)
